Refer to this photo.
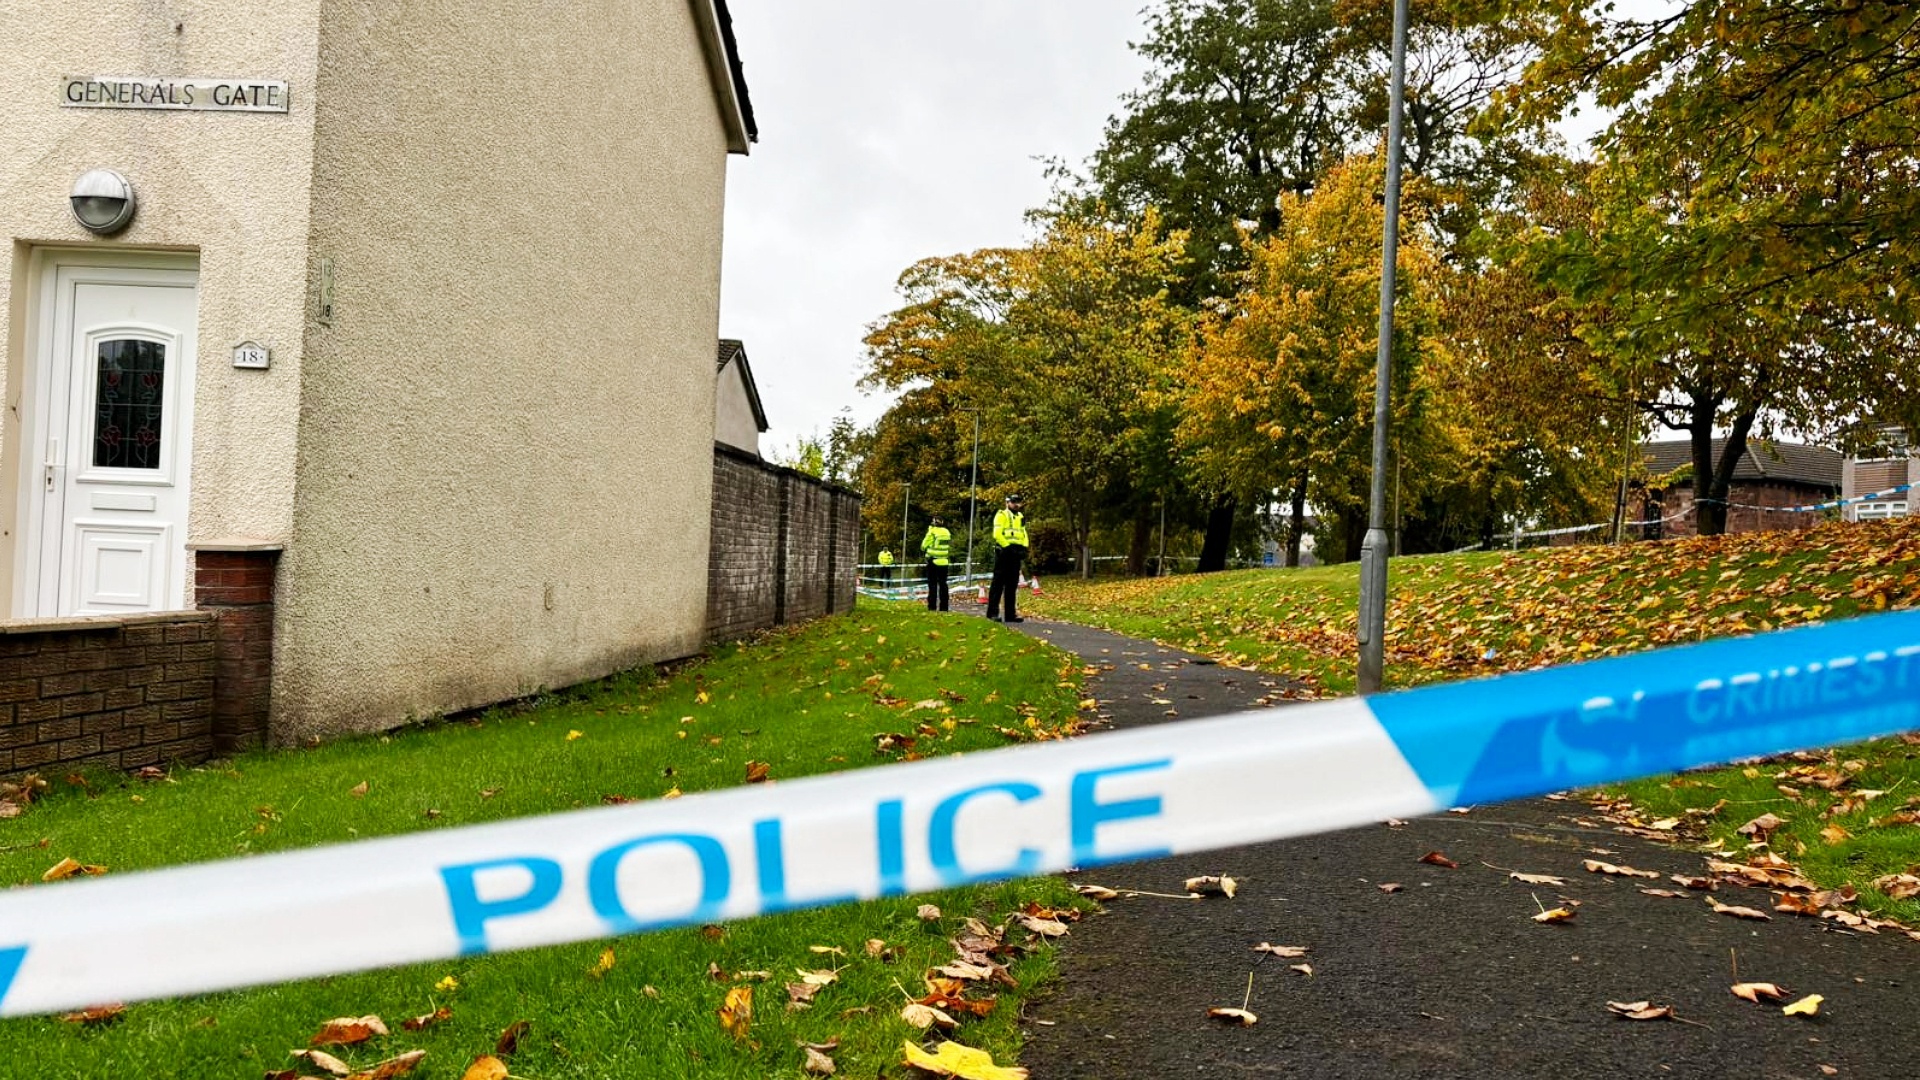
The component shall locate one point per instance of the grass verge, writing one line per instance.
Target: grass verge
(805, 701)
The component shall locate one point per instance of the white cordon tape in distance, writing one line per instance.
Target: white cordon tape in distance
(1180, 787)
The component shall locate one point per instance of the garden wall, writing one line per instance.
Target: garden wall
(785, 546)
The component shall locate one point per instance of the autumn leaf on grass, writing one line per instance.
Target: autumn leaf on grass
(816, 1063)
(1898, 886)
(800, 994)
(601, 966)
(99, 1014)
(508, 1043)
(486, 1067)
(1050, 928)
(757, 772)
(736, 1013)
(68, 867)
(392, 1067)
(1806, 1006)
(927, 913)
(1759, 827)
(1597, 867)
(1285, 952)
(359, 790)
(1212, 886)
(1738, 912)
(419, 1023)
(348, 1031)
(1438, 858)
(447, 985)
(1641, 1010)
(961, 1062)
(320, 1059)
(1754, 991)
(925, 1016)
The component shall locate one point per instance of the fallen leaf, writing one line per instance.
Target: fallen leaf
(1598, 867)
(359, 790)
(99, 1014)
(928, 913)
(486, 1067)
(800, 994)
(1898, 886)
(876, 948)
(1233, 1016)
(736, 1013)
(575, 734)
(1096, 892)
(1641, 1010)
(1050, 928)
(1536, 879)
(1699, 884)
(1556, 915)
(925, 1016)
(348, 1031)
(508, 1044)
(1669, 893)
(827, 950)
(419, 1023)
(1754, 991)
(392, 1067)
(1806, 1006)
(816, 1063)
(1304, 969)
(757, 772)
(1436, 858)
(961, 1062)
(1738, 912)
(1391, 887)
(320, 1059)
(68, 867)
(1287, 952)
(447, 985)
(602, 965)
(1761, 826)
(1211, 885)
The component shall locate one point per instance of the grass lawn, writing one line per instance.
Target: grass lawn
(805, 701)
(1452, 617)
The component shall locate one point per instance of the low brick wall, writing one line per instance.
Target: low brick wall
(785, 546)
(119, 691)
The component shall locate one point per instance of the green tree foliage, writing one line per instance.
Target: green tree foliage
(1749, 256)
(1058, 346)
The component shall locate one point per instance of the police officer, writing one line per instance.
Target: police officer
(885, 560)
(1010, 539)
(936, 546)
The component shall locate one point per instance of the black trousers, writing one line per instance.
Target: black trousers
(1006, 581)
(937, 587)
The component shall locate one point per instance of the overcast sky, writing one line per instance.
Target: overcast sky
(891, 131)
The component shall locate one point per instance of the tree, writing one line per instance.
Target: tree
(1247, 100)
(1748, 261)
(1055, 344)
(1280, 391)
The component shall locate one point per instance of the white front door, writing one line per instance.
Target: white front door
(108, 448)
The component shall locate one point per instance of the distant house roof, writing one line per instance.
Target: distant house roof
(729, 75)
(1794, 463)
(733, 351)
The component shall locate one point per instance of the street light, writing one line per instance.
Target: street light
(973, 496)
(1374, 551)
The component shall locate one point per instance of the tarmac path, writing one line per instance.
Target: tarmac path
(1448, 976)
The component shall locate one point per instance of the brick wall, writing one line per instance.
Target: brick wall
(1740, 519)
(784, 546)
(234, 581)
(119, 691)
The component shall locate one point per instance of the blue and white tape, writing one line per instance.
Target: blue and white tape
(1185, 787)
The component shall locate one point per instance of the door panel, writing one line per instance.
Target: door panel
(108, 501)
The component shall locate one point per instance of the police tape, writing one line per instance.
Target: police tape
(1182, 787)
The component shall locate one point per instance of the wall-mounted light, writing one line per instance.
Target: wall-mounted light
(102, 201)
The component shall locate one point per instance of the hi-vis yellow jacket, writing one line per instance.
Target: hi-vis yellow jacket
(1009, 528)
(937, 544)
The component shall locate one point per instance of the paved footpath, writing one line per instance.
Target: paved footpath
(1448, 976)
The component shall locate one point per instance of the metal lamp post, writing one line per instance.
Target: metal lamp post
(1374, 551)
(973, 498)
